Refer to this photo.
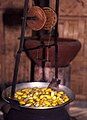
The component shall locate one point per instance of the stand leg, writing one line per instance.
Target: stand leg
(20, 48)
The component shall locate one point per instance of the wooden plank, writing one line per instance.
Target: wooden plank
(11, 4)
(81, 97)
(2, 50)
(52, 4)
(75, 28)
(11, 50)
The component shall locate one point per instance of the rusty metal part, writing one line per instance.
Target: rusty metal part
(39, 18)
(51, 18)
(67, 50)
(54, 83)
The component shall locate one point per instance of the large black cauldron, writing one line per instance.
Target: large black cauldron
(18, 112)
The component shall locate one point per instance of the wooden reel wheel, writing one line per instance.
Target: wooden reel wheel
(39, 18)
(51, 18)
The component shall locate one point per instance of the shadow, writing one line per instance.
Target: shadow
(12, 17)
(73, 118)
(42, 3)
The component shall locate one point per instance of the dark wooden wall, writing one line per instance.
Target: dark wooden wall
(72, 24)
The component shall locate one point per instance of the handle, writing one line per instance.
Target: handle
(54, 83)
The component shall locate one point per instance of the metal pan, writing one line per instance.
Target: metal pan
(7, 92)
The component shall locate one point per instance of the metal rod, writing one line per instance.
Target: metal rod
(32, 71)
(43, 60)
(38, 47)
(18, 55)
(56, 40)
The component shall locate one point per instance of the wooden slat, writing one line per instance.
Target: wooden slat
(2, 50)
(73, 7)
(11, 4)
(77, 29)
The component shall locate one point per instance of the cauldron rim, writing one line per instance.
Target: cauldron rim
(68, 91)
